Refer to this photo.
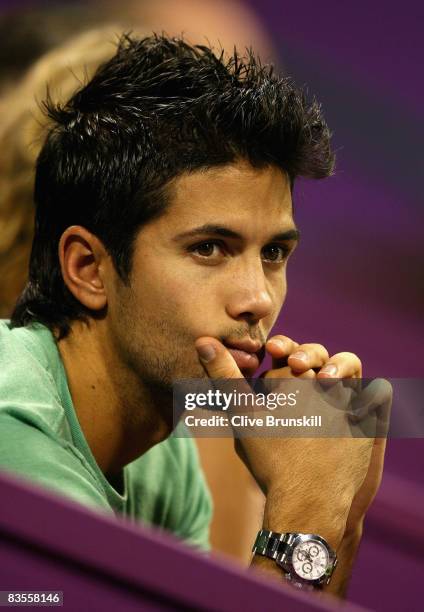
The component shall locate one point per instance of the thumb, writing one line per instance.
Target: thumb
(216, 359)
(220, 364)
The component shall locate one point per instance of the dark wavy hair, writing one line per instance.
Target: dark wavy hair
(158, 108)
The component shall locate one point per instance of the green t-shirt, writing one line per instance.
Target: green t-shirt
(41, 440)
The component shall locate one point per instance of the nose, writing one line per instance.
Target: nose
(249, 297)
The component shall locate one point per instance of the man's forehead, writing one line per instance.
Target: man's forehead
(237, 197)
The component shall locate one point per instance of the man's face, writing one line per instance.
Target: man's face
(214, 264)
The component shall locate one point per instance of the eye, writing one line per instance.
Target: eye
(207, 249)
(275, 253)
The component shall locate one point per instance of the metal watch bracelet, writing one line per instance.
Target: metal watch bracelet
(280, 546)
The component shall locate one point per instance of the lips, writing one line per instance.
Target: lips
(247, 345)
(247, 354)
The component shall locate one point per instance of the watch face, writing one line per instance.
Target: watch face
(310, 559)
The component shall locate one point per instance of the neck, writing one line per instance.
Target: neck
(118, 412)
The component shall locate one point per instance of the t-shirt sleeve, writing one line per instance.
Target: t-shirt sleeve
(29, 453)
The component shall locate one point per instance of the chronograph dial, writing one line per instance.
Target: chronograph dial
(306, 559)
(310, 560)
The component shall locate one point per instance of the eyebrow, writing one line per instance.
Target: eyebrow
(225, 232)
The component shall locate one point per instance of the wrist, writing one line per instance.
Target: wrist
(346, 554)
(352, 536)
(305, 515)
(354, 533)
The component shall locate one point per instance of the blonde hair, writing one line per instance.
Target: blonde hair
(23, 129)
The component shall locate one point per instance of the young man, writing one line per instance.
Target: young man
(164, 223)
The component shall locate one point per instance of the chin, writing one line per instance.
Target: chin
(191, 371)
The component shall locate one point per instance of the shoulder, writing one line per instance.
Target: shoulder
(29, 377)
(31, 454)
(35, 438)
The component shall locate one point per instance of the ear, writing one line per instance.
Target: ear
(83, 261)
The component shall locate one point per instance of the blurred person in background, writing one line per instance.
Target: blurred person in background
(23, 128)
(26, 34)
(223, 23)
(29, 31)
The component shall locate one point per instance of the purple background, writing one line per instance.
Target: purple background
(356, 282)
(357, 279)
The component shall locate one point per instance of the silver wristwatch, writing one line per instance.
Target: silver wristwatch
(307, 561)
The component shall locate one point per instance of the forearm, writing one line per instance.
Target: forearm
(324, 520)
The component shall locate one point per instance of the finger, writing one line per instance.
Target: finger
(341, 365)
(216, 359)
(309, 374)
(374, 400)
(284, 372)
(220, 365)
(280, 347)
(287, 372)
(307, 356)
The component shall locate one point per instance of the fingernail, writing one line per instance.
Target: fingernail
(301, 355)
(206, 352)
(329, 369)
(278, 342)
